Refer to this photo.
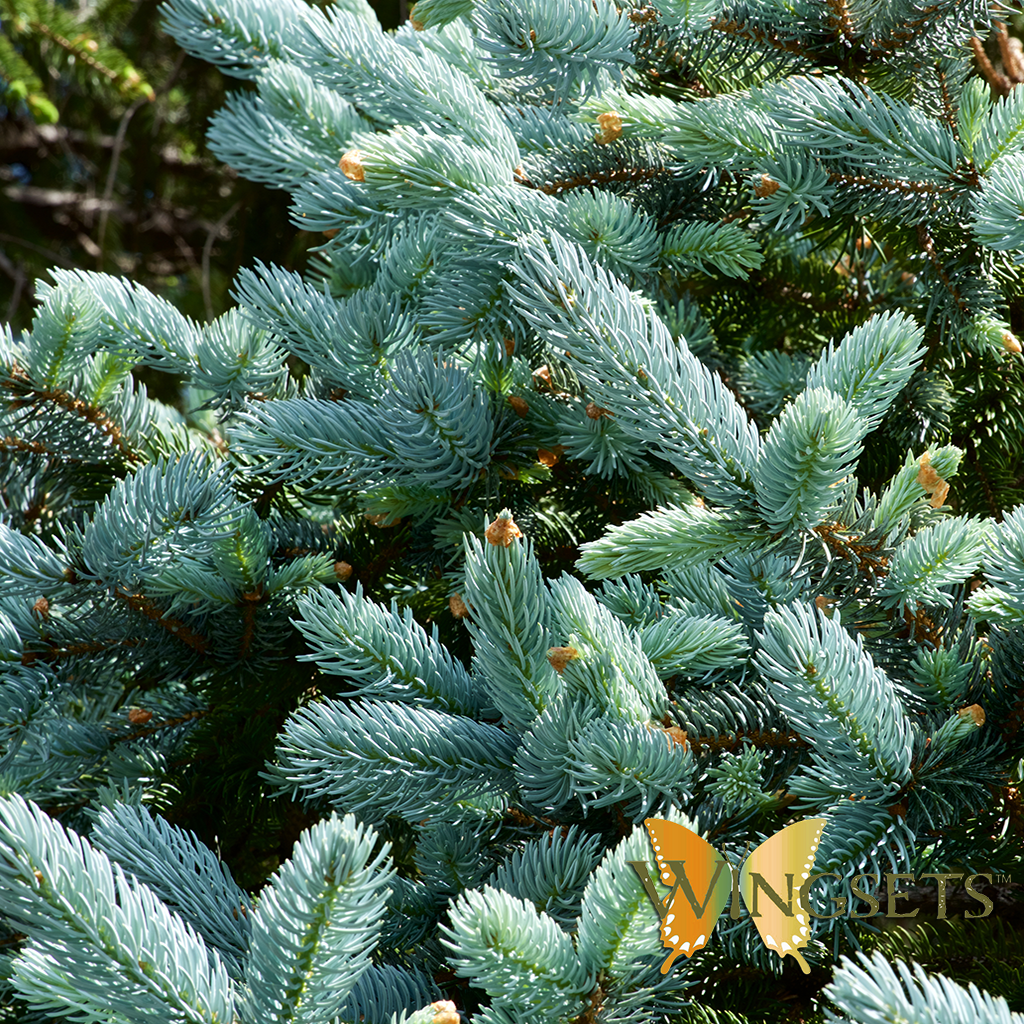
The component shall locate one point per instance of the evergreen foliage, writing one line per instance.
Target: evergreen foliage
(102, 165)
(623, 452)
(60, 39)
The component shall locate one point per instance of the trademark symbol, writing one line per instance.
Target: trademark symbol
(1002, 880)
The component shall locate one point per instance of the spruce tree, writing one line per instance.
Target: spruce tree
(628, 451)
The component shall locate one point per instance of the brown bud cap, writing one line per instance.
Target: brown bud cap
(42, 608)
(342, 571)
(975, 712)
(931, 482)
(766, 187)
(927, 477)
(519, 406)
(503, 530)
(561, 656)
(1010, 343)
(677, 735)
(351, 165)
(611, 127)
(137, 716)
(510, 345)
(549, 458)
(939, 497)
(330, 233)
(595, 411)
(824, 604)
(445, 1012)
(417, 25)
(377, 518)
(38, 876)
(458, 606)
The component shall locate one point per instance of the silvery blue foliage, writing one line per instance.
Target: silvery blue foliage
(678, 588)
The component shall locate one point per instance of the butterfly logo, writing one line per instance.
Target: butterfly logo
(701, 882)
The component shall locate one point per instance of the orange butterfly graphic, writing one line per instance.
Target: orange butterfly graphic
(701, 882)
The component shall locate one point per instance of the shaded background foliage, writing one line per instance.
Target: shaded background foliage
(104, 164)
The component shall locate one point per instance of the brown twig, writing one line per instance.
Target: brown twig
(18, 382)
(948, 105)
(841, 20)
(924, 238)
(252, 599)
(735, 28)
(54, 653)
(598, 177)
(1012, 64)
(869, 561)
(890, 184)
(17, 444)
(1001, 85)
(146, 606)
(167, 723)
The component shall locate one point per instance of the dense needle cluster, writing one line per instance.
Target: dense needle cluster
(643, 441)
